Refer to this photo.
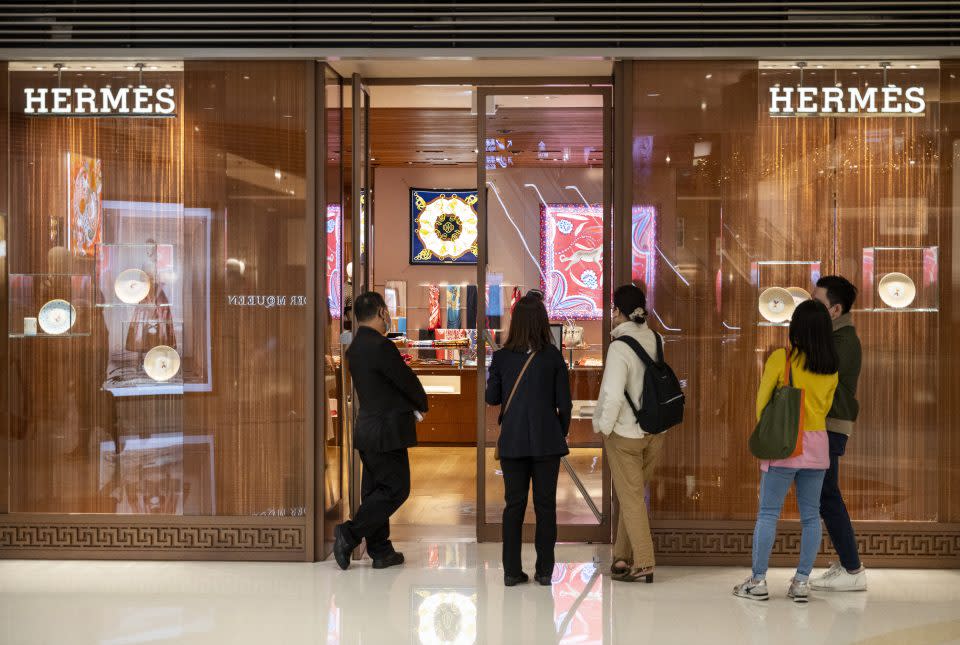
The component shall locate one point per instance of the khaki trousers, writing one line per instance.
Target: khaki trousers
(632, 462)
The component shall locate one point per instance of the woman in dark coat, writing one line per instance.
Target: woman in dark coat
(533, 433)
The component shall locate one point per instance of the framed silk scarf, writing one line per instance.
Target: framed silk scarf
(444, 226)
(571, 259)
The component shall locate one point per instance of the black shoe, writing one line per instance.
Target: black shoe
(342, 550)
(544, 579)
(512, 581)
(395, 559)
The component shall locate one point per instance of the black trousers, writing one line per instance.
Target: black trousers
(384, 488)
(517, 475)
(833, 510)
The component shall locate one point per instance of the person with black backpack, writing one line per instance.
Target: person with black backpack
(640, 398)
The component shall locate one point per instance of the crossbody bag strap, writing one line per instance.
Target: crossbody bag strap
(516, 384)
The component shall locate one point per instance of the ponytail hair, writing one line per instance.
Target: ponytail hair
(631, 301)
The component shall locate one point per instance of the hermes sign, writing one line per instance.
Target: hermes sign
(890, 100)
(84, 101)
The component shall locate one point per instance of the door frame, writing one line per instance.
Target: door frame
(490, 531)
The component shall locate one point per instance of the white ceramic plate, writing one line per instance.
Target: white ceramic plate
(799, 295)
(132, 286)
(776, 305)
(57, 317)
(897, 290)
(161, 363)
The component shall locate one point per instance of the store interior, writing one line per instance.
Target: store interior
(543, 156)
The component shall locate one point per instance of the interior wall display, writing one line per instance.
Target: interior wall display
(897, 290)
(776, 305)
(454, 318)
(571, 260)
(399, 288)
(334, 260)
(56, 317)
(84, 203)
(132, 286)
(433, 303)
(444, 226)
(643, 239)
(161, 363)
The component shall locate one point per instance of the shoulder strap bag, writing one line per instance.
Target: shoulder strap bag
(778, 433)
(506, 406)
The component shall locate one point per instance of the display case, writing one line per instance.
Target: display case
(132, 274)
(149, 361)
(900, 279)
(49, 305)
(781, 286)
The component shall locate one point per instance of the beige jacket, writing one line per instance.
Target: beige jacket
(623, 370)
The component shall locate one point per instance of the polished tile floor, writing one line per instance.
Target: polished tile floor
(451, 593)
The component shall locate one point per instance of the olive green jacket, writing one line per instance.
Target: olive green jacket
(845, 406)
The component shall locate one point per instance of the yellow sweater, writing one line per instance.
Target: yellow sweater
(818, 389)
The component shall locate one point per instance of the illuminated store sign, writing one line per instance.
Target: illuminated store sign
(84, 101)
(839, 101)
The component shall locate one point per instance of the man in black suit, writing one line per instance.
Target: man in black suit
(390, 398)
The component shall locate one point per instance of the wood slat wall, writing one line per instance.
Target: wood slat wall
(786, 189)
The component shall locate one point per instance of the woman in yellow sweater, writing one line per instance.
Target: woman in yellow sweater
(814, 364)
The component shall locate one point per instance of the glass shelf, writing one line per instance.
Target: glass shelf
(29, 292)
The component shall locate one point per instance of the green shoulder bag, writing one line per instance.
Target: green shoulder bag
(777, 434)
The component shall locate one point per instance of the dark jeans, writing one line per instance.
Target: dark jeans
(834, 511)
(384, 488)
(517, 474)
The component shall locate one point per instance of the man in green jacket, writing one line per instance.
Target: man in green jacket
(838, 295)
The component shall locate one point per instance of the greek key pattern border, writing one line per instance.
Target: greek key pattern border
(737, 542)
(54, 536)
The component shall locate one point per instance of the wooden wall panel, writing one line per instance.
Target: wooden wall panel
(949, 227)
(244, 126)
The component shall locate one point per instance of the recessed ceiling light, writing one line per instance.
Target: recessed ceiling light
(88, 67)
(154, 67)
(653, 94)
(526, 98)
(703, 105)
(246, 77)
(913, 67)
(277, 174)
(38, 67)
(861, 66)
(708, 76)
(131, 67)
(668, 158)
(819, 66)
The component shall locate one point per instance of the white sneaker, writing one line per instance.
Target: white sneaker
(839, 579)
(799, 591)
(752, 590)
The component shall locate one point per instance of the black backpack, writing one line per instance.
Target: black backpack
(662, 399)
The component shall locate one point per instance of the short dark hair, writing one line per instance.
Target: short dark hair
(840, 291)
(529, 326)
(811, 334)
(368, 305)
(628, 299)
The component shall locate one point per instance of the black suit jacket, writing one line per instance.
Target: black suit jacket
(388, 393)
(538, 420)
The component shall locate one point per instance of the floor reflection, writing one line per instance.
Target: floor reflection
(449, 593)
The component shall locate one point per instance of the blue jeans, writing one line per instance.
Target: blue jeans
(774, 486)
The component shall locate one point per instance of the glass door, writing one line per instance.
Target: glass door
(544, 169)
(357, 259)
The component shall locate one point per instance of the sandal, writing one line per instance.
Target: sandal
(618, 570)
(636, 575)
